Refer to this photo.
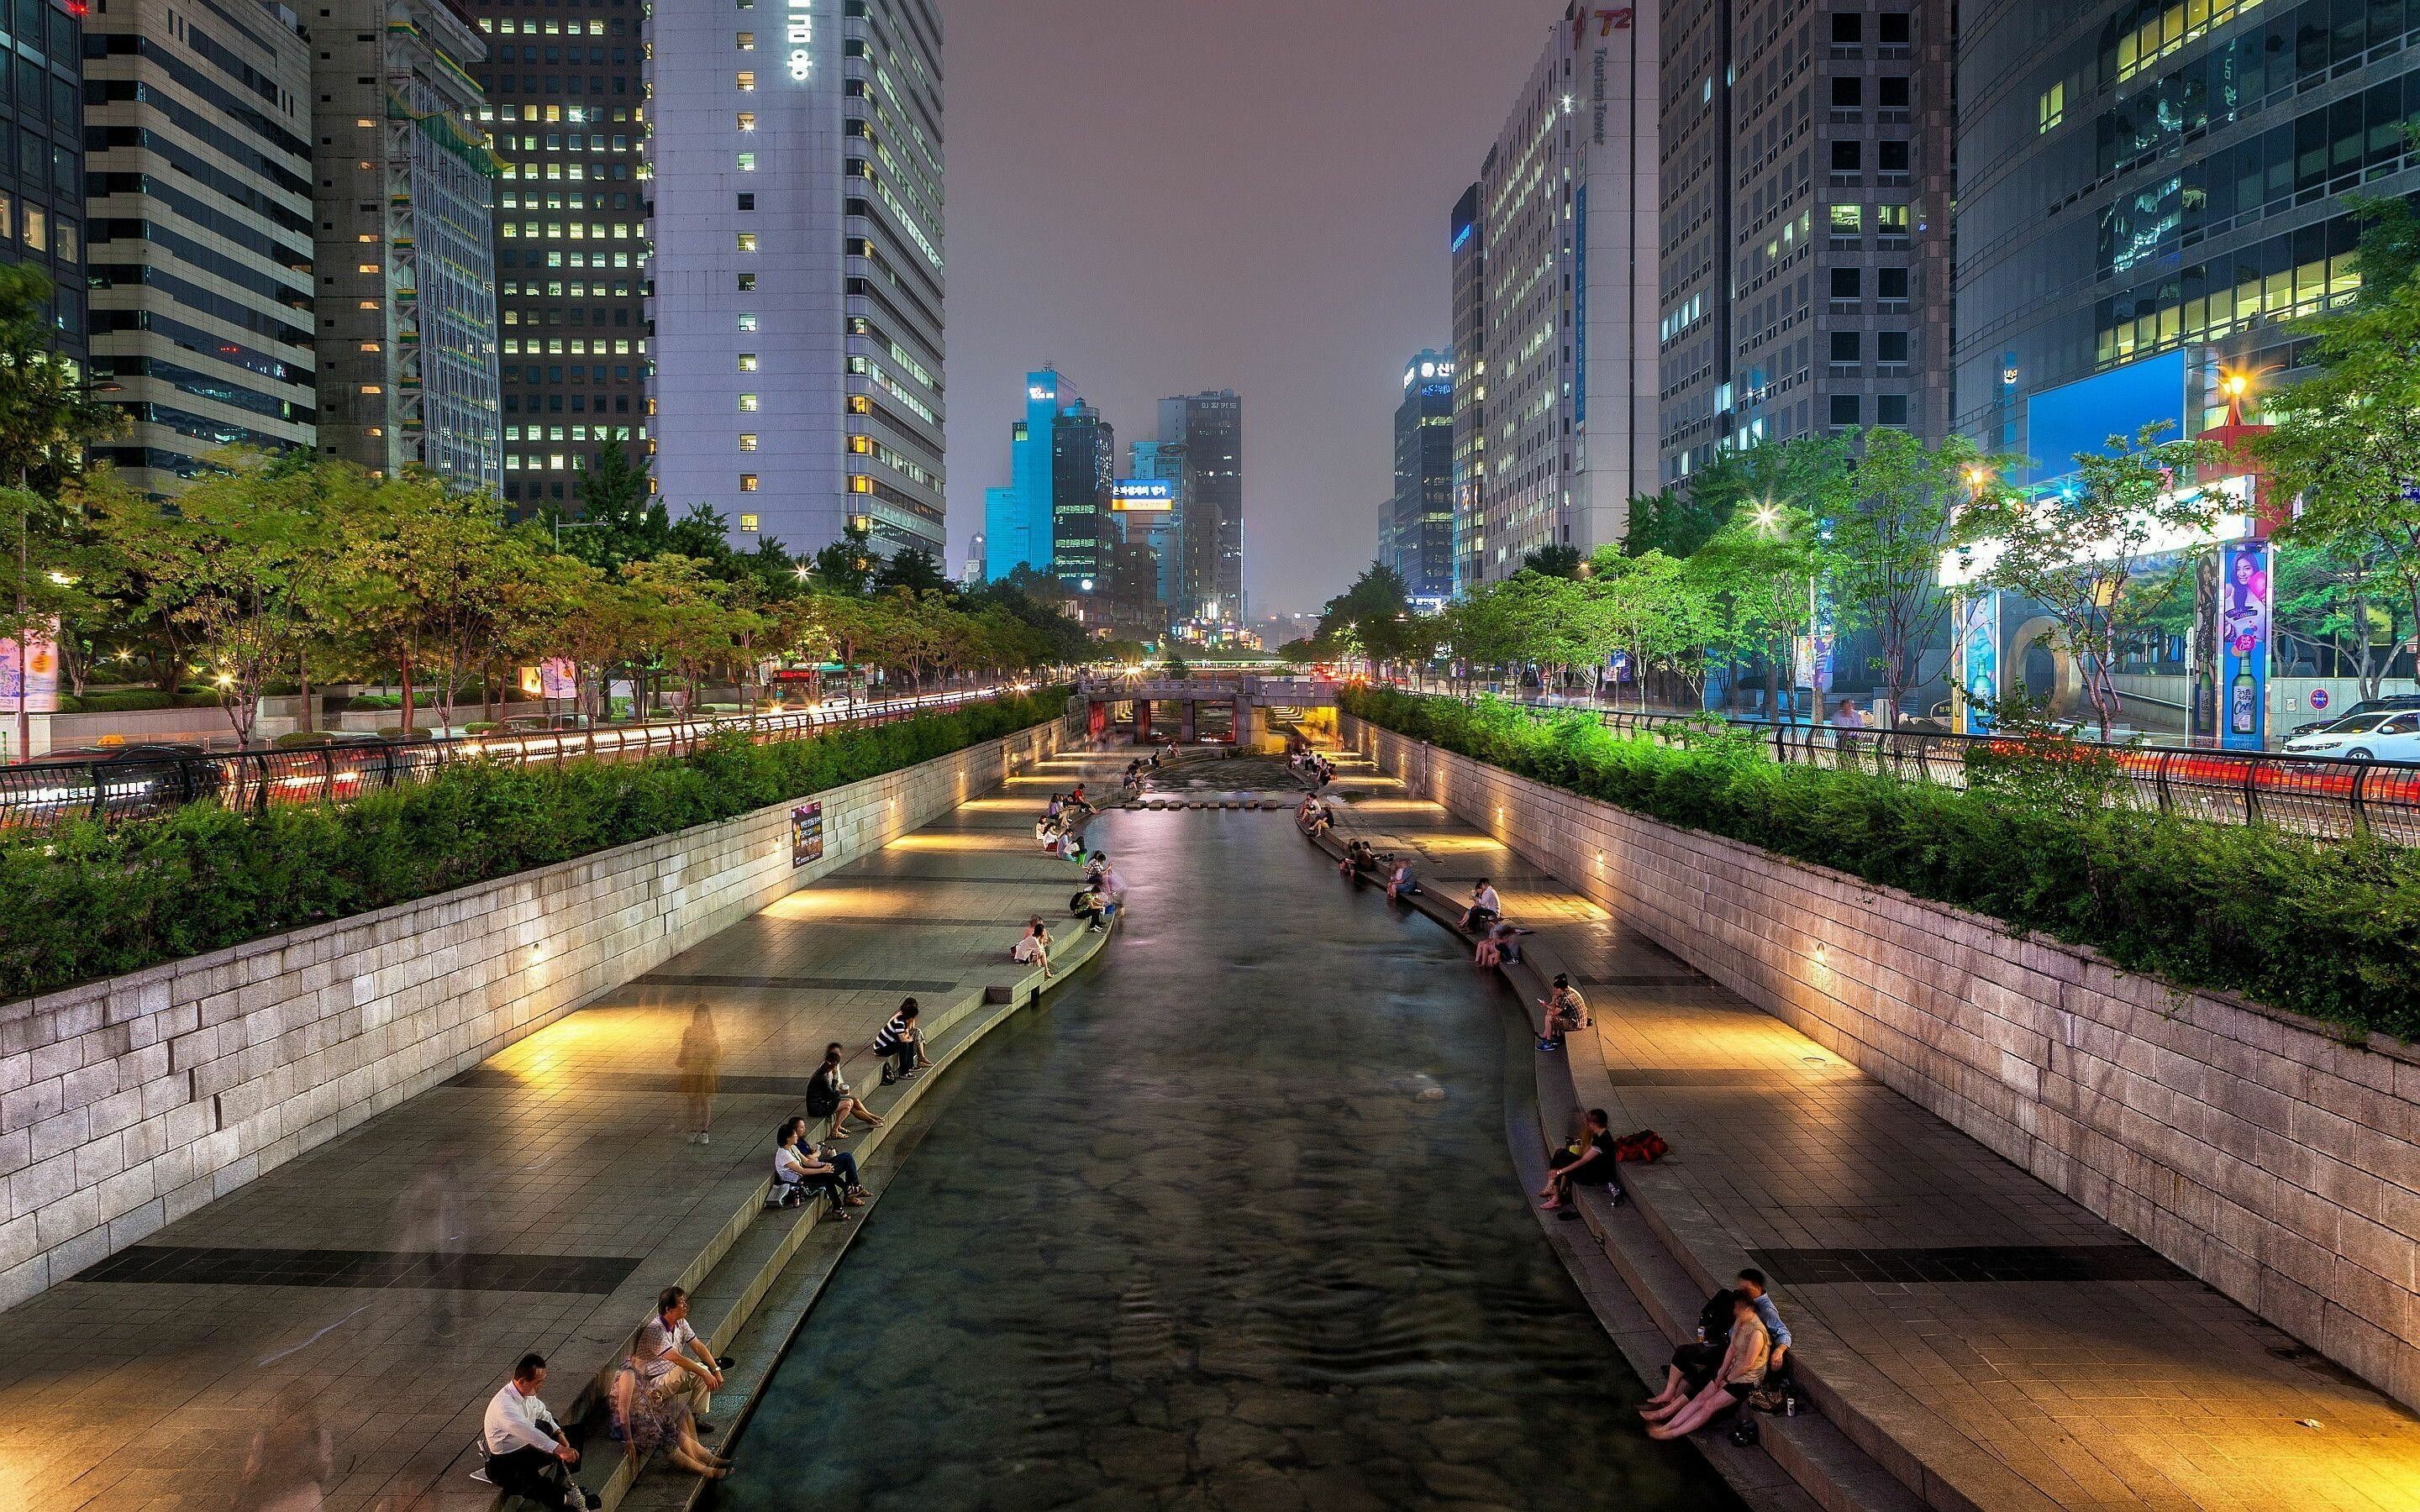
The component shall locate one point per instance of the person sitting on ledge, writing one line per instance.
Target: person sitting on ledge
(1033, 947)
(828, 1097)
(800, 1168)
(1485, 908)
(1400, 883)
(1092, 907)
(1564, 1009)
(1357, 857)
(671, 1359)
(528, 1454)
(1693, 1365)
(902, 1042)
(1740, 1371)
(1588, 1163)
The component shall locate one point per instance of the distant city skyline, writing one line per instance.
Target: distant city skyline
(1117, 216)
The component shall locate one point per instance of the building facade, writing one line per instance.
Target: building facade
(1016, 519)
(2143, 179)
(1084, 465)
(1468, 250)
(42, 170)
(567, 115)
(1419, 539)
(800, 279)
(1568, 223)
(199, 240)
(1161, 530)
(407, 359)
(1210, 428)
(1804, 223)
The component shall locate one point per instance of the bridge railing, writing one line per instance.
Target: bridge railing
(42, 794)
(2329, 797)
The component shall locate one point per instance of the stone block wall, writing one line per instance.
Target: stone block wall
(128, 1103)
(2257, 1150)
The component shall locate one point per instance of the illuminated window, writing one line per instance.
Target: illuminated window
(748, 162)
(748, 482)
(748, 240)
(358, 268)
(372, 388)
(1891, 219)
(2054, 106)
(745, 78)
(747, 361)
(748, 440)
(747, 41)
(746, 322)
(370, 346)
(860, 405)
(747, 120)
(859, 483)
(748, 282)
(861, 445)
(748, 404)
(1848, 220)
(748, 523)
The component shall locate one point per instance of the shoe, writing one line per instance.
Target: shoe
(706, 1139)
(724, 1362)
(591, 1500)
(888, 1077)
(1549, 1044)
(705, 1428)
(1096, 928)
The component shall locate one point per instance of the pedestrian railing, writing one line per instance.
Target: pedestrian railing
(44, 793)
(2318, 796)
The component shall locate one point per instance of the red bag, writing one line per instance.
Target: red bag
(1644, 1145)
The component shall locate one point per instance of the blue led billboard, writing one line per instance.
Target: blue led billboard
(2083, 415)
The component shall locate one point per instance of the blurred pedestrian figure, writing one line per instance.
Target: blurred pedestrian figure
(429, 1221)
(293, 1458)
(701, 1070)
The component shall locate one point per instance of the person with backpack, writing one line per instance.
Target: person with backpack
(1740, 1372)
(1590, 1161)
(1691, 1365)
(902, 1042)
(828, 1097)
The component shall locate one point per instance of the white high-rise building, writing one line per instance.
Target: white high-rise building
(798, 272)
(1568, 218)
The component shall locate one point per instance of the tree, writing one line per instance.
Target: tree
(2075, 551)
(1677, 522)
(1553, 561)
(1375, 615)
(430, 571)
(1758, 572)
(917, 571)
(1888, 545)
(847, 565)
(620, 521)
(48, 416)
(40, 590)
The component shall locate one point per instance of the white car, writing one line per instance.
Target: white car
(2388, 735)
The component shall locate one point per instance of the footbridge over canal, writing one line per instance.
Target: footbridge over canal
(1252, 713)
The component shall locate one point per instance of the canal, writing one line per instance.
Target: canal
(1190, 1235)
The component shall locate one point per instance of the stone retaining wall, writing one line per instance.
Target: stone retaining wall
(2257, 1150)
(129, 1103)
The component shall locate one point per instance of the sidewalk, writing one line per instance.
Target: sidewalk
(556, 1178)
(1985, 1338)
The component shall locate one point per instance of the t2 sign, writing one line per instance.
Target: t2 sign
(1607, 23)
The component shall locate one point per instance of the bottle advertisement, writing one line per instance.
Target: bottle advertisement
(2242, 690)
(1975, 621)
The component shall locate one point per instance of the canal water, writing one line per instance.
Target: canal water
(1190, 1236)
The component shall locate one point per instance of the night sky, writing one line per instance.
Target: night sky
(1168, 195)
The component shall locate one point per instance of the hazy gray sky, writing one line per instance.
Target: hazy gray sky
(1168, 195)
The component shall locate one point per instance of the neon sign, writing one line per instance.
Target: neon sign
(801, 35)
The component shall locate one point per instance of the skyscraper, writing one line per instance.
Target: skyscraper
(42, 175)
(1805, 242)
(799, 277)
(568, 114)
(1016, 519)
(407, 348)
(1161, 530)
(1083, 465)
(200, 253)
(1567, 216)
(1420, 531)
(1469, 250)
(1210, 427)
(2159, 187)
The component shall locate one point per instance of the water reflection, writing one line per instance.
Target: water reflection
(1190, 1237)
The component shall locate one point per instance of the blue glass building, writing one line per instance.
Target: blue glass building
(1016, 519)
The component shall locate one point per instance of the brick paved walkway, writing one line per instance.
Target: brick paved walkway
(1987, 1338)
(560, 1164)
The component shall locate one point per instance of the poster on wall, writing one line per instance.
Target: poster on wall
(1617, 663)
(30, 673)
(806, 834)
(2244, 644)
(2201, 652)
(558, 678)
(1975, 622)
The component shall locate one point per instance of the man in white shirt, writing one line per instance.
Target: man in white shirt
(528, 1454)
(1486, 908)
(672, 1359)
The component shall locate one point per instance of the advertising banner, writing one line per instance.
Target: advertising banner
(30, 671)
(2244, 644)
(806, 834)
(558, 678)
(2201, 653)
(1143, 496)
(1975, 625)
(1619, 665)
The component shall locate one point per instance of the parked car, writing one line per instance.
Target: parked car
(2390, 735)
(2377, 706)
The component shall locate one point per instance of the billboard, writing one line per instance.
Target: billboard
(2243, 578)
(2083, 415)
(1975, 646)
(30, 673)
(1143, 496)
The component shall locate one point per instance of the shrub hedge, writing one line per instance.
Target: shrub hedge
(2331, 930)
(93, 901)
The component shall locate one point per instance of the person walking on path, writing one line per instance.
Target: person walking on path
(828, 1097)
(701, 1071)
(528, 1454)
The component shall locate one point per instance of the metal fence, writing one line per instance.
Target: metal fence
(41, 795)
(2323, 796)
